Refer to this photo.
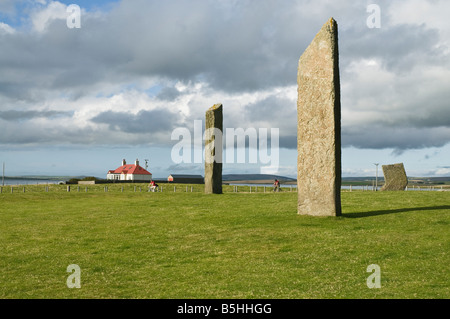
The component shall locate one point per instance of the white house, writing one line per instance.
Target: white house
(129, 172)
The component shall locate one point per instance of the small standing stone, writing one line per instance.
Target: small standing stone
(395, 178)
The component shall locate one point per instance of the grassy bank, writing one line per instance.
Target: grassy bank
(236, 245)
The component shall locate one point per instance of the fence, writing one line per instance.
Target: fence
(135, 188)
(408, 188)
(176, 188)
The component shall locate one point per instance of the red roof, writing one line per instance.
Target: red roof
(130, 169)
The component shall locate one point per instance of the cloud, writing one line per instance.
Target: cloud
(398, 48)
(7, 7)
(444, 171)
(241, 53)
(6, 29)
(13, 115)
(143, 122)
(274, 111)
(399, 139)
(168, 94)
(43, 17)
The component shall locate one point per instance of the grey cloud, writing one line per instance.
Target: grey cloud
(289, 142)
(275, 112)
(143, 122)
(432, 113)
(278, 110)
(31, 134)
(168, 94)
(7, 8)
(242, 46)
(399, 139)
(400, 48)
(14, 115)
(233, 46)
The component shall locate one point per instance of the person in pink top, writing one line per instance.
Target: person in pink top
(153, 186)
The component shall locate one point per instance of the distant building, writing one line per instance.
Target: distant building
(186, 179)
(129, 172)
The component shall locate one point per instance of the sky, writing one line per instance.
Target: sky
(77, 100)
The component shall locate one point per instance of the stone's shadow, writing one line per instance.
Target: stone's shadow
(394, 211)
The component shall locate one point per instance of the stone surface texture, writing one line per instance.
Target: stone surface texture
(319, 126)
(395, 178)
(213, 166)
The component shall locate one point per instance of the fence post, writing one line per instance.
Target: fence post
(24, 189)
(12, 189)
(192, 188)
(174, 189)
(68, 188)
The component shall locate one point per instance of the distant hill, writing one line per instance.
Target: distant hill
(362, 179)
(44, 177)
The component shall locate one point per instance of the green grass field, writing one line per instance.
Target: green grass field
(235, 245)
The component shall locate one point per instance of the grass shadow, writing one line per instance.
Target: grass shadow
(394, 211)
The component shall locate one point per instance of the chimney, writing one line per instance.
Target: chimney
(137, 162)
(124, 162)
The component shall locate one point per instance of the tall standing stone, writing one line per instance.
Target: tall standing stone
(213, 149)
(319, 126)
(395, 178)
